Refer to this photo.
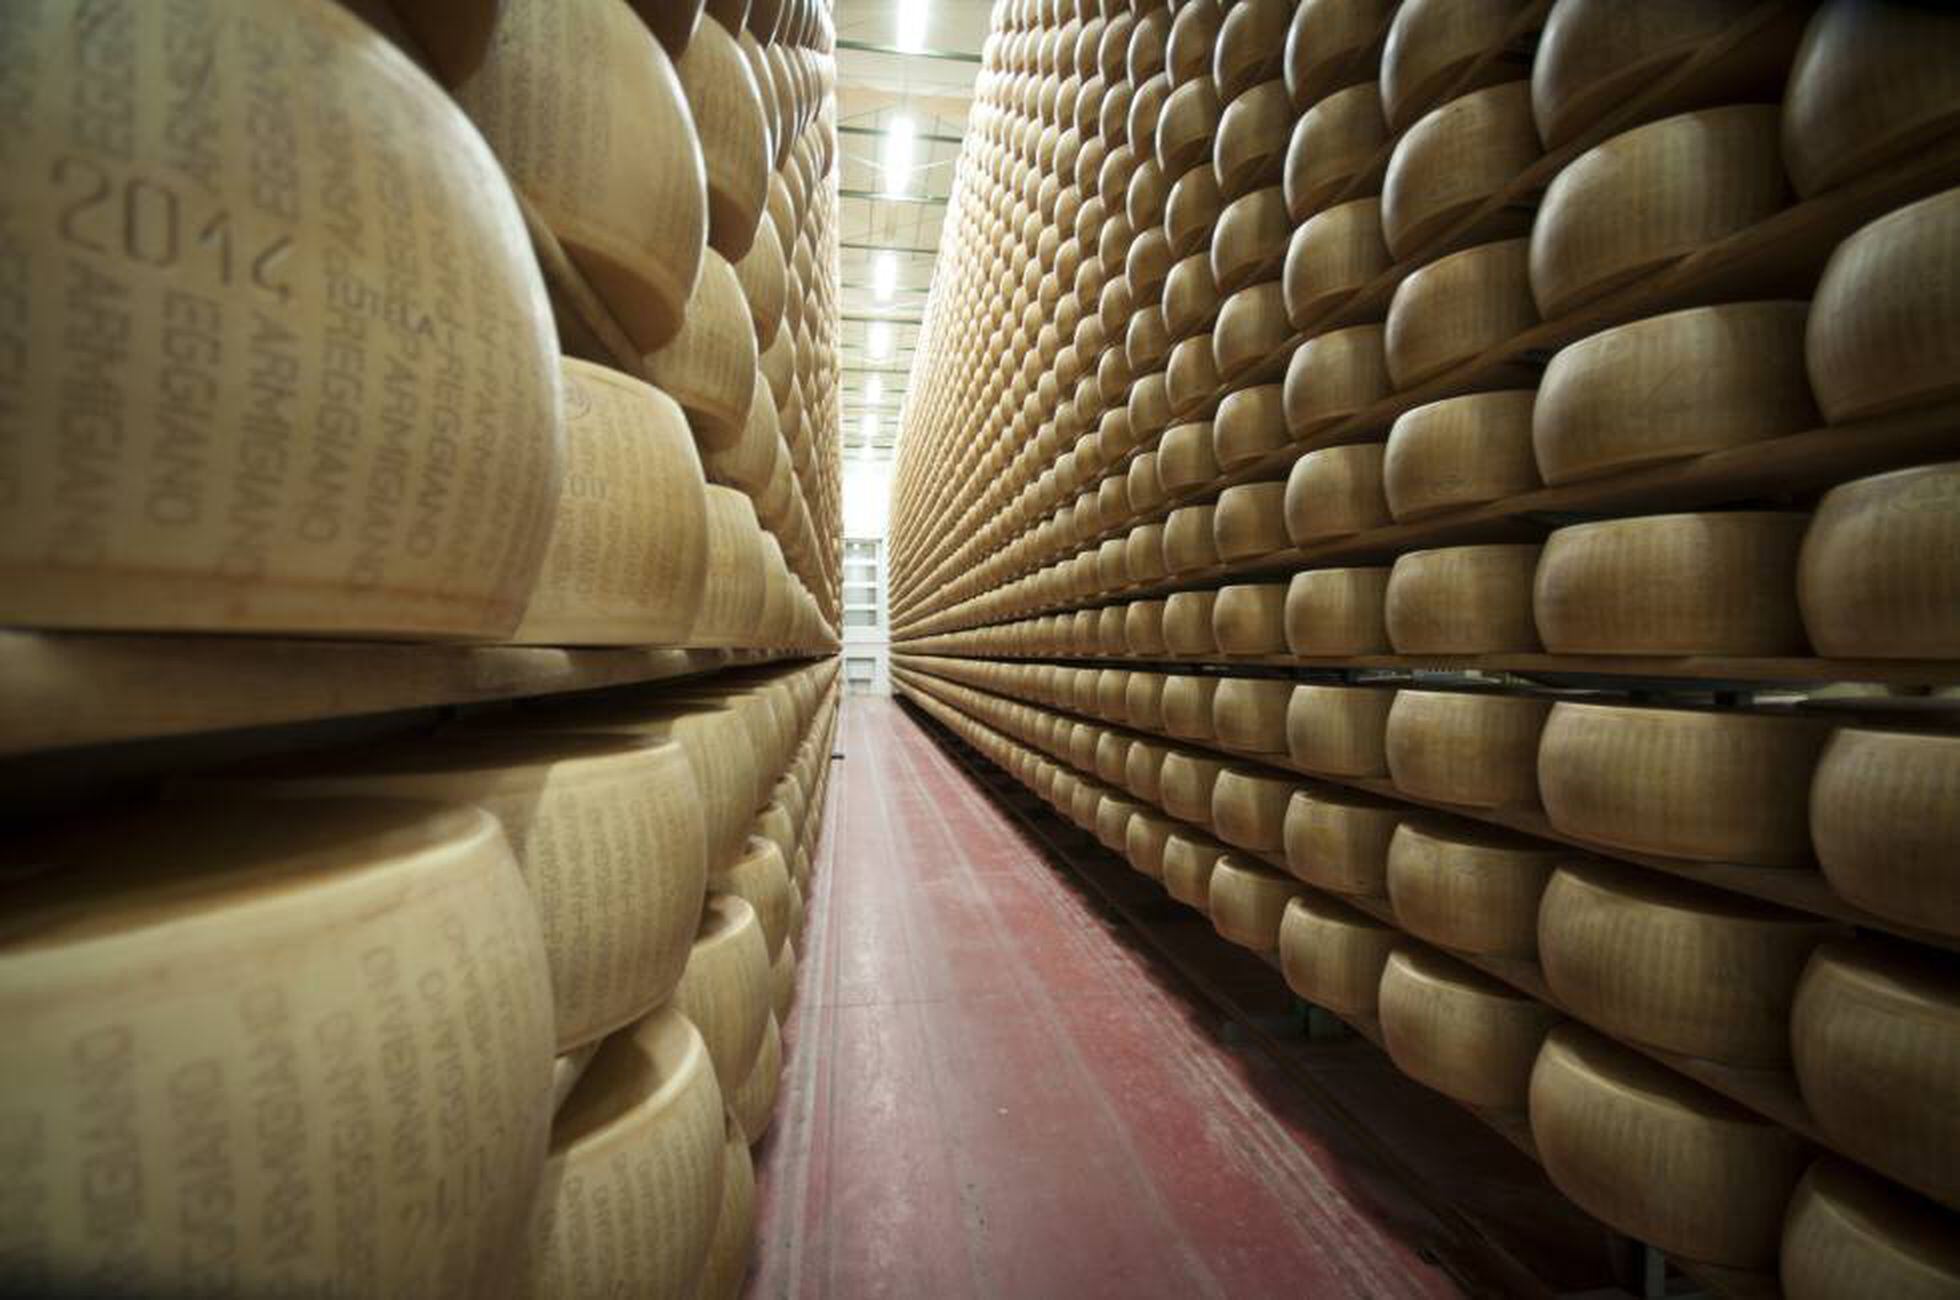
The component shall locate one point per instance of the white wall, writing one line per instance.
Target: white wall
(867, 497)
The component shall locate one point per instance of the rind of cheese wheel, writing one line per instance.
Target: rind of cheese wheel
(1187, 458)
(1190, 624)
(1333, 956)
(1143, 769)
(725, 991)
(1252, 329)
(1711, 786)
(1253, 132)
(1111, 636)
(1186, 782)
(1148, 407)
(1463, 747)
(1189, 864)
(1143, 625)
(1459, 1031)
(1191, 299)
(734, 136)
(607, 830)
(1338, 730)
(1251, 45)
(1331, 43)
(1187, 704)
(1248, 903)
(635, 1173)
(1331, 257)
(1191, 376)
(297, 934)
(1146, 264)
(1458, 307)
(1875, 1035)
(1250, 519)
(627, 559)
(1112, 568)
(1884, 333)
(1337, 612)
(1249, 618)
(1722, 584)
(1334, 491)
(1339, 839)
(1335, 150)
(709, 367)
(1193, 37)
(1469, 889)
(733, 1242)
(1248, 425)
(1885, 819)
(1192, 211)
(1871, 83)
(1850, 1233)
(1187, 127)
(1112, 702)
(1430, 43)
(1659, 1157)
(1453, 159)
(759, 876)
(1112, 822)
(1334, 376)
(627, 197)
(1144, 839)
(763, 273)
(777, 363)
(1650, 196)
(1189, 541)
(782, 982)
(1657, 961)
(1249, 809)
(1146, 344)
(1463, 600)
(567, 1068)
(1673, 386)
(733, 594)
(1249, 244)
(1458, 452)
(796, 918)
(373, 464)
(1249, 713)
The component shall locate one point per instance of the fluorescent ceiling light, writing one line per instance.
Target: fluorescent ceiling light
(899, 139)
(874, 389)
(911, 26)
(869, 427)
(884, 276)
(878, 340)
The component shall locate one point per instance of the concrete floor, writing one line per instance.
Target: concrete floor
(993, 1091)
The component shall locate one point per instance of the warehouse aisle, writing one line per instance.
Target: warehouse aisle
(989, 1094)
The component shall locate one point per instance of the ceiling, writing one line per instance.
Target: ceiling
(928, 82)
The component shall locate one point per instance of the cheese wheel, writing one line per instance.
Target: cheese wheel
(1186, 781)
(1143, 769)
(1112, 821)
(1189, 543)
(1459, 1031)
(1191, 299)
(606, 829)
(1651, 196)
(1252, 139)
(1248, 426)
(1149, 407)
(1849, 1233)
(1187, 706)
(1332, 256)
(1711, 786)
(1332, 43)
(626, 196)
(1189, 624)
(382, 456)
(1250, 520)
(709, 366)
(1252, 329)
(1144, 841)
(1673, 386)
(1459, 452)
(1143, 707)
(1660, 1158)
(1188, 126)
(1339, 839)
(1594, 56)
(733, 591)
(1189, 861)
(1249, 713)
(627, 558)
(724, 991)
(1463, 747)
(1337, 612)
(1250, 242)
(726, 109)
(1335, 151)
(1337, 730)
(1452, 161)
(1875, 1035)
(1112, 566)
(1458, 307)
(753, 1104)
(733, 1241)
(1250, 619)
(1143, 623)
(1468, 888)
(1251, 45)
(1146, 344)
(1193, 36)
(1871, 83)
(763, 273)
(1187, 458)
(1191, 376)
(1112, 758)
(1687, 970)
(1248, 902)
(1333, 956)
(1191, 210)
(1143, 485)
(759, 876)
(1463, 600)
(1145, 266)
(1249, 809)
(1112, 698)
(283, 956)
(1334, 377)
(1431, 43)
(1885, 819)
(1879, 573)
(1334, 492)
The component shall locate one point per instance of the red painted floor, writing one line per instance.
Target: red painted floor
(991, 1092)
